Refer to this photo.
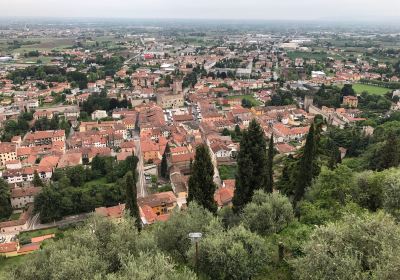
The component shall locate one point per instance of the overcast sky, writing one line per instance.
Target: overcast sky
(206, 9)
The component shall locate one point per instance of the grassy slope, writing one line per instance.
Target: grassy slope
(359, 88)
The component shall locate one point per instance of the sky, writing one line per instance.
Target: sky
(348, 10)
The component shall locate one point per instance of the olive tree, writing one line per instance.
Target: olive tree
(267, 213)
(173, 236)
(233, 254)
(365, 246)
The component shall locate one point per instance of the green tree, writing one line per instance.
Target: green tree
(348, 90)
(99, 166)
(48, 204)
(131, 199)
(270, 164)
(76, 174)
(267, 213)
(328, 194)
(37, 182)
(306, 166)
(101, 249)
(172, 236)
(389, 155)
(201, 182)
(164, 163)
(251, 160)
(233, 254)
(357, 247)
(391, 192)
(5, 200)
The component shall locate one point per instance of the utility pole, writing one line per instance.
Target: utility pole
(195, 238)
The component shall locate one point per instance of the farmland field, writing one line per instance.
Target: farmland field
(46, 44)
(360, 88)
(307, 55)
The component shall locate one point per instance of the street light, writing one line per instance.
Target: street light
(195, 238)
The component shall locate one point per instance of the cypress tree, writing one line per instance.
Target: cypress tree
(334, 154)
(164, 166)
(131, 199)
(201, 182)
(164, 163)
(306, 166)
(270, 162)
(252, 173)
(5, 200)
(37, 182)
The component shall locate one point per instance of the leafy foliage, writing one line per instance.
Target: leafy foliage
(101, 250)
(74, 190)
(233, 254)
(357, 247)
(267, 213)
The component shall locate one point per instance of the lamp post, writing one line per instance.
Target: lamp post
(195, 238)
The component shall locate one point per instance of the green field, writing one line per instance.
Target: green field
(360, 88)
(248, 97)
(44, 44)
(100, 181)
(307, 55)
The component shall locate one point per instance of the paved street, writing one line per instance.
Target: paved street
(141, 184)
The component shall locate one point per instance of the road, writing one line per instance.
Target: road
(35, 224)
(141, 184)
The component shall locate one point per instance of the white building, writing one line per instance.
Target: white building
(318, 74)
(99, 114)
(20, 197)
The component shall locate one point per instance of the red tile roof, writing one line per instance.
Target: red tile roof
(29, 248)
(112, 212)
(42, 238)
(182, 158)
(22, 192)
(8, 247)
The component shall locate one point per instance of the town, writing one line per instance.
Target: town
(87, 111)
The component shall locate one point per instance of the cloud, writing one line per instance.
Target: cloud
(205, 9)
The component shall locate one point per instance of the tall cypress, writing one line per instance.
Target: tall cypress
(131, 199)
(201, 182)
(164, 166)
(252, 172)
(164, 162)
(5, 200)
(269, 187)
(334, 154)
(306, 165)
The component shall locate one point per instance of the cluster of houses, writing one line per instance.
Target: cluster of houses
(164, 119)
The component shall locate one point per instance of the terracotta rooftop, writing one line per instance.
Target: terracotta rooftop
(22, 192)
(158, 199)
(8, 247)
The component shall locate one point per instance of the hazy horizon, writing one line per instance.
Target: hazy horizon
(306, 10)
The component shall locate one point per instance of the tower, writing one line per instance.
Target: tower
(177, 86)
(308, 101)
